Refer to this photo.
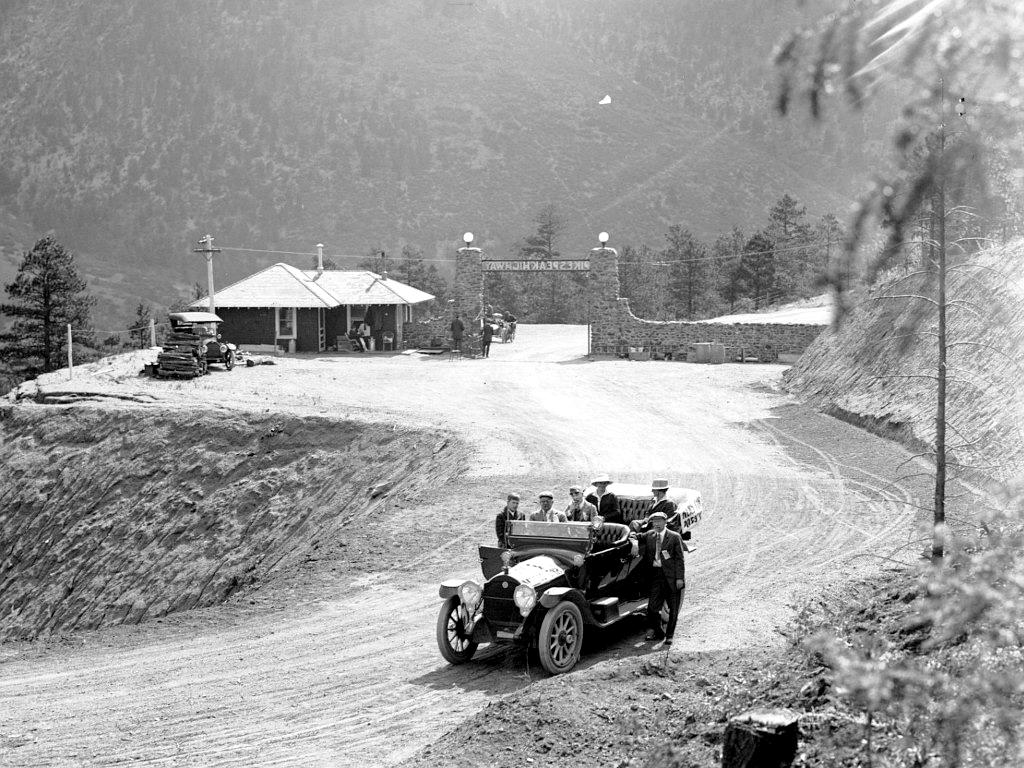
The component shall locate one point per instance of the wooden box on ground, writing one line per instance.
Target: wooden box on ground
(706, 352)
(761, 738)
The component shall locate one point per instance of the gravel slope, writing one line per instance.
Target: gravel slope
(332, 660)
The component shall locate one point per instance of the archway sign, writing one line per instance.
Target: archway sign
(535, 265)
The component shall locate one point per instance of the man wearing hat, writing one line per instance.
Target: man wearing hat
(607, 503)
(546, 514)
(579, 509)
(659, 488)
(509, 513)
(663, 554)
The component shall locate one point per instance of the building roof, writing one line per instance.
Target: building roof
(283, 285)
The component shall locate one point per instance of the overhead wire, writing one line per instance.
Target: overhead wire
(714, 257)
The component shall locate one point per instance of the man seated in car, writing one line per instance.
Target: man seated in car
(509, 513)
(546, 514)
(667, 507)
(579, 510)
(607, 503)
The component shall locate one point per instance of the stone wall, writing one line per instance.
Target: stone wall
(615, 329)
(423, 333)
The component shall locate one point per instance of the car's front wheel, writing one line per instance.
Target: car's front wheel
(453, 637)
(229, 360)
(560, 638)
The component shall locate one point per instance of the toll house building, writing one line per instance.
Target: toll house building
(295, 310)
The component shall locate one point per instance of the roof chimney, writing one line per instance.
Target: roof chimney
(319, 258)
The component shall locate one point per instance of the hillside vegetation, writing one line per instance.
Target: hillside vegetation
(119, 517)
(863, 372)
(131, 129)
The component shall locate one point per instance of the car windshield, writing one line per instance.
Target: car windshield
(529, 534)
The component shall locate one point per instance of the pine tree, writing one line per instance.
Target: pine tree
(727, 250)
(140, 325)
(563, 301)
(47, 294)
(687, 277)
(757, 269)
(411, 269)
(791, 235)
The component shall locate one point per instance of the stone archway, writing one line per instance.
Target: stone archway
(614, 329)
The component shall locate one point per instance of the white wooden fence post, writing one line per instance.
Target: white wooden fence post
(152, 332)
(71, 362)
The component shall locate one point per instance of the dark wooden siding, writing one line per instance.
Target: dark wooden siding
(247, 326)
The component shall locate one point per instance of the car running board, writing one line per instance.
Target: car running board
(608, 610)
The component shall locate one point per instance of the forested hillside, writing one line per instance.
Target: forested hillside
(133, 128)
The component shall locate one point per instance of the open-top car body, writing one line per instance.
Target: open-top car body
(205, 327)
(553, 581)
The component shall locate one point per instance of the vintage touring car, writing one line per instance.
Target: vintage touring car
(555, 579)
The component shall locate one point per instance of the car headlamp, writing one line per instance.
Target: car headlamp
(470, 594)
(577, 560)
(525, 598)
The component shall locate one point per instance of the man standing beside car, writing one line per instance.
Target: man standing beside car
(663, 553)
(509, 513)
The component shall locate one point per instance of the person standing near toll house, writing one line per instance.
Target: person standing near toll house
(485, 339)
(663, 554)
(607, 503)
(457, 329)
(508, 514)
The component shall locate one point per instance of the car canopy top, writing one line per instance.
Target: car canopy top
(194, 317)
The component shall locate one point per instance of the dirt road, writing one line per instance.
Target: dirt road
(319, 670)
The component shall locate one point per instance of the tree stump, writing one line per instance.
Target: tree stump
(765, 738)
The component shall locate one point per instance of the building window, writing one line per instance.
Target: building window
(286, 323)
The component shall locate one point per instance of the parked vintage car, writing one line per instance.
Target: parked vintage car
(206, 325)
(553, 581)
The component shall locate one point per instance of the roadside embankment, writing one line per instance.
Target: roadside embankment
(111, 516)
(878, 371)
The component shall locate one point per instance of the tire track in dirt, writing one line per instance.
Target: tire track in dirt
(347, 672)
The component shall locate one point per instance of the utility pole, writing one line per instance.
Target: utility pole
(208, 250)
(939, 201)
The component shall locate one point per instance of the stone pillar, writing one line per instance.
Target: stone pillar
(468, 296)
(604, 300)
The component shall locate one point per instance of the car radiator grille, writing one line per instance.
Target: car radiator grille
(501, 612)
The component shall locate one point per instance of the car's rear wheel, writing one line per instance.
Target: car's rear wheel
(560, 638)
(453, 638)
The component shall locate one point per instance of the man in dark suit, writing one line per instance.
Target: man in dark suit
(607, 503)
(509, 513)
(659, 489)
(663, 554)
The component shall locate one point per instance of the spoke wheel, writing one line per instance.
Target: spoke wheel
(453, 639)
(229, 360)
(560, 638)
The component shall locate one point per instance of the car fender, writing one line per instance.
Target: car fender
(555, 595)
(450, 587)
